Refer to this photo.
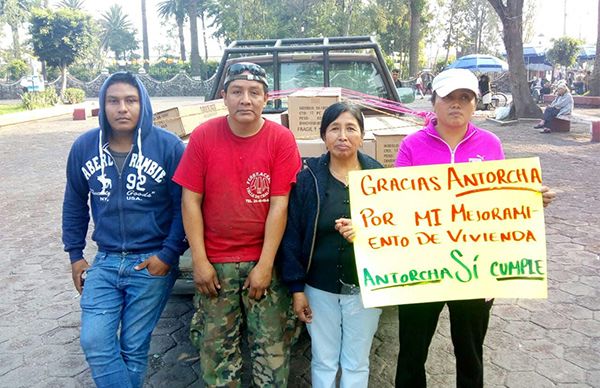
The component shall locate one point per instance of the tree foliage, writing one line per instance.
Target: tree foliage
(268, 19)
(563, 51)
(72, 4)
(177, 9)
(16, 69)
(15, 13)
(60, 37)
(118, 34)
(469, 27)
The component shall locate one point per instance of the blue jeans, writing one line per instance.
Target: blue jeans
(341, 335)
(116, 295)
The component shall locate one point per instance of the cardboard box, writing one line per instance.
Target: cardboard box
(388, 141)
(305, 109)
(388, 132)
(183, 119)
(316, 147)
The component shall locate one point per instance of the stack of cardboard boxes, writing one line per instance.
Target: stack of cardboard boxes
(383, 134)
(183, 119)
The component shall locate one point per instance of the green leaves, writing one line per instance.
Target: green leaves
(564, 51)
(60, 37)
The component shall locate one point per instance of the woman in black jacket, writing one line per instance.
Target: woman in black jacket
(317, 262)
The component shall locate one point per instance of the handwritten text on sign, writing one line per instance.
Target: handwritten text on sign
(449, 232)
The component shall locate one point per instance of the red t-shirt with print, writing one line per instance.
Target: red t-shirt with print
(237, 176)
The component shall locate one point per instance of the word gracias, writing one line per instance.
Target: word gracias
(372, 186)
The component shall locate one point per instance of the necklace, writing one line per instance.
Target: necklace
(343, 179)
(340, 177)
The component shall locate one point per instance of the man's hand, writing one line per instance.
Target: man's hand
(77, 270)
(156, 267)
(301, 307)
(259, 280)
(206, 279)
(547, 195)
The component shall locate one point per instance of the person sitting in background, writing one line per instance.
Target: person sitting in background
(484, 91)
(579, 85)
(546, 87)
(535, 86)
(561, 106)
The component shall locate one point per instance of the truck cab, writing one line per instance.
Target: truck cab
(353, 62)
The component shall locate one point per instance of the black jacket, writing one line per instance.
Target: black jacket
(297, 246)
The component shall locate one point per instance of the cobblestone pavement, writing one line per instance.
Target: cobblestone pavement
(530, 343)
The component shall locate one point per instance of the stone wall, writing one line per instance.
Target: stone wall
(180, 85)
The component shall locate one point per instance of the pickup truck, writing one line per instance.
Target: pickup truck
(354, 62)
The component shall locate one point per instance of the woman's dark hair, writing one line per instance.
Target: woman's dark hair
(335, 110)
(433, 97)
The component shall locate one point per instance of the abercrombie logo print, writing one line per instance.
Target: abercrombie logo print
(142, 170)
(258, 187)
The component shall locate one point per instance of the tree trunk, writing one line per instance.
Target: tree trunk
(16, 41)
(241, 21)
(195, 55)
(512, 19)
(182, 55)
(595, 80)
(450, 31)
(145, 37)
(204, 39)
(415, 37)
(63, 71)
(348, 16)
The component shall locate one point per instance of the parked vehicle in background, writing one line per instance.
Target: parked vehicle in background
(32, 83)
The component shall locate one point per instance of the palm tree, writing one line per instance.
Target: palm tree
(118, 33)
(145, 37)
(176, 8)
(15, 13)
(72, 4)
(192, 10)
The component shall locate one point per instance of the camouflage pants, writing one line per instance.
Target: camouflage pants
(271, 327)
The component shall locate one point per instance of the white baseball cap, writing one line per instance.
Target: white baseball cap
(453, 79)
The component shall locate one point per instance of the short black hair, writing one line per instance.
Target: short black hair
(395, 71)
(122, 77)
(332, 112)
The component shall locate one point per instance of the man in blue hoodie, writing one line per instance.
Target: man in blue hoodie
(123, 170)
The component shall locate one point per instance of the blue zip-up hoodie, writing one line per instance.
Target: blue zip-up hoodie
(137, 211)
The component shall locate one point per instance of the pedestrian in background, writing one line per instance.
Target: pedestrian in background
(395, 78)
(123, 170)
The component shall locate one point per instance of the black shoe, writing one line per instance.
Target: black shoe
(545, 130)
(539, 126)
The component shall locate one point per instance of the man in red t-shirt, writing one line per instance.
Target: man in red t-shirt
(236, 174)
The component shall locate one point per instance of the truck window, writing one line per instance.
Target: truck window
(362, 77)
(301, 75)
